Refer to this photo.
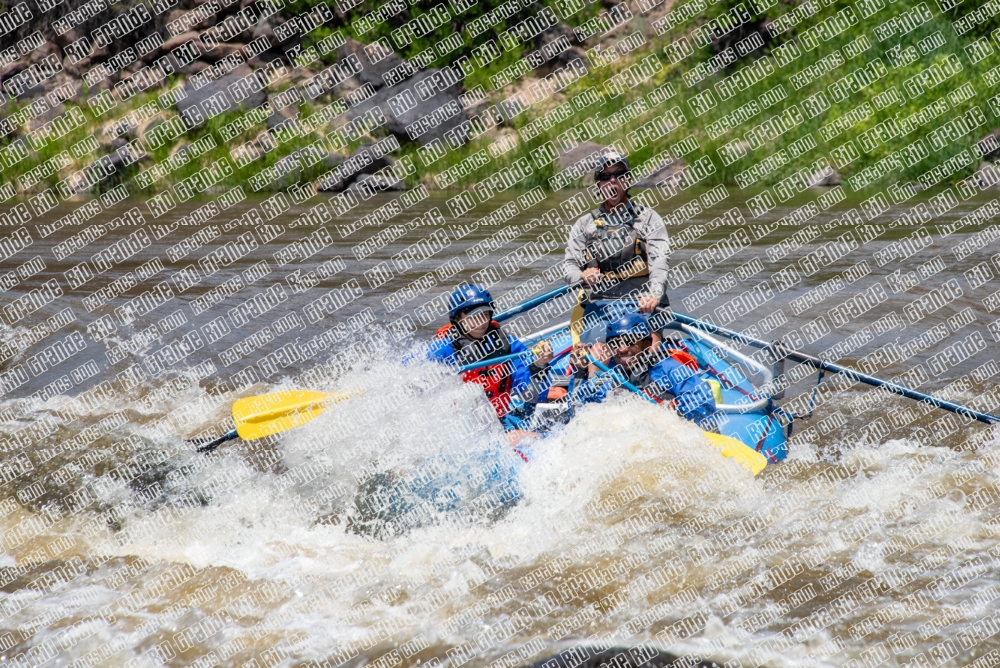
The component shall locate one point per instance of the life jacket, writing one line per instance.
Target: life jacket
(619, 252)
(644, 381)
(497, 380)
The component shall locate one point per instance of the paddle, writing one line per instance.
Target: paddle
(263, 415)
(778, 351)
(505, 358)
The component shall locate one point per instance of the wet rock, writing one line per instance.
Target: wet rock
(190, 106)
(363, 161)
(667, 173)
(582, 656)
(827, 177)
(374, 59)
(987, 176)
(990, 146)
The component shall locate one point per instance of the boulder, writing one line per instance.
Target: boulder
(552, 43)
(364, 156)
(581, 159)
(105, 168)
(987, 176)
(220, 51)
(398, 120)
(150, 124)
(264, 29)
(990, 145)
(332, 160)
(179, 149)
(581, 656)
(190, 105)
(194, 67)
(667, 173)
(44, 117)
(178, 40)
(282, 118)
(827, 177)
(374, 60)
(204, 22)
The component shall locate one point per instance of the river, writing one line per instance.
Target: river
(875, 543)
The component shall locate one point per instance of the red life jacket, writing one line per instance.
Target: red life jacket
(497, 380)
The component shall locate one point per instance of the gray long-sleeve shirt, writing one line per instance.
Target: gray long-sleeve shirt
(651, 229)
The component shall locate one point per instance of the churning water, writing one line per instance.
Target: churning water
(400, 529)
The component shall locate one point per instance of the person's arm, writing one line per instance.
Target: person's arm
(576, 251)
(441, 350)
(654, 231)
(522, 369)
(695, 399)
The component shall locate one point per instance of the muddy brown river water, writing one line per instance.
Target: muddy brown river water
(876, 543)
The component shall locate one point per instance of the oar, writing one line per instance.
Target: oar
(532, 303)
(505, 358)
(263, 415)
(780, 352)
(627, 385)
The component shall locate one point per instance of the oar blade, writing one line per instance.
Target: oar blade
(268, 414)
(738, 451)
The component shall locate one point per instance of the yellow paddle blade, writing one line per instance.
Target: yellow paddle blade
(716, 389)
(731, 448)
(267, 414)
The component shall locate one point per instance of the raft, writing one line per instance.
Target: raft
(753, 429)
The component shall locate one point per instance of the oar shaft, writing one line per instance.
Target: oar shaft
(627, 385)
(532, 303)
(817, 363)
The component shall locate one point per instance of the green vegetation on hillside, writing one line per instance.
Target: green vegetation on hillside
(911, 95)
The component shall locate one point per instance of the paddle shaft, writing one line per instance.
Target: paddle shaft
(213, 444)
(206, 446)
(506, 358)
(781, 352)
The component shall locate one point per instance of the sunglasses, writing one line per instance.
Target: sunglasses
(607, 176)
(623, 342)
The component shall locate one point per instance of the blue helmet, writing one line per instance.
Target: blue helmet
(466, 297)
(631, 325)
